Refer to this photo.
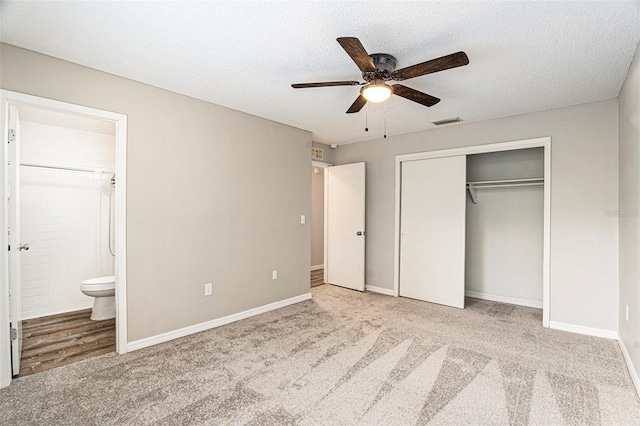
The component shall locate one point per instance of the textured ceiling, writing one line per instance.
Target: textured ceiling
(524, 56)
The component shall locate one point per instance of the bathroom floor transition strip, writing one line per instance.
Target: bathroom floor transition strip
(62, 339)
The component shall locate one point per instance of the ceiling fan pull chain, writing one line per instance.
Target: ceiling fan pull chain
(366, 119)
(385, 119)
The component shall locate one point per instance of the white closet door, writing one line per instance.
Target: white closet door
(432, 230)
(345, 220)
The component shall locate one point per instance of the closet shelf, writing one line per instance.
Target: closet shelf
(507, 183)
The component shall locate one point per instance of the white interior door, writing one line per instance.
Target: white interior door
(15, 302)
(345, 221)
(432, 230)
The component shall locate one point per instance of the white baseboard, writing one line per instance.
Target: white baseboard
(373, 289)
(316, 267)
(504, 299)
(165, 337)
(632, 371)
(596, 332)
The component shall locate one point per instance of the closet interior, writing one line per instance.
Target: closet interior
(504, 226)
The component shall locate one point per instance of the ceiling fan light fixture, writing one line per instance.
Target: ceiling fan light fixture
(376, 92)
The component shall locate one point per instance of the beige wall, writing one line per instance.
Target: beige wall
(629, 211)
(584, 239)
(213, 195)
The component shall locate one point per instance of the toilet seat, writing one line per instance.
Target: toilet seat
(110, 279)
(100, 283)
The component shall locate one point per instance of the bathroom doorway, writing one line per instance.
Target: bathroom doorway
(65, 174)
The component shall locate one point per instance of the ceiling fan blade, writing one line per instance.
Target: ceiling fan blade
(440, 64)
(357, 105)
(414, 95)
(325, 84)
(357, 52)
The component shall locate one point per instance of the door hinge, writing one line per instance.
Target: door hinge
(12, 136)
(14, 334)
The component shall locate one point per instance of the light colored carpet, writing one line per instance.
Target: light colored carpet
(345, 358)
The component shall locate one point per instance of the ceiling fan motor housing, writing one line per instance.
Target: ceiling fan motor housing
(385, 65)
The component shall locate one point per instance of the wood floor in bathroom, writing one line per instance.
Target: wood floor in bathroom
(62, 339)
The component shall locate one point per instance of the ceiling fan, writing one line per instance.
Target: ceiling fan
(378, 68)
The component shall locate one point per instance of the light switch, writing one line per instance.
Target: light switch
(303, 220)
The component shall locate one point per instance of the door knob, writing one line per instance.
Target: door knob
(23, 247)
(359, 233)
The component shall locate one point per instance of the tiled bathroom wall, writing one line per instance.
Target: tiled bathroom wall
(64, 216)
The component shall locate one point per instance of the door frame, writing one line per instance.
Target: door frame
(543, 142)
(324, 208)
(20, 99)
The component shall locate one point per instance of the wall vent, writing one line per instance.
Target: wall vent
(316, 153)
(447, 121)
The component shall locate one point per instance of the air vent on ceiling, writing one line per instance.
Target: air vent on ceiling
(447, 121)
(316, 153)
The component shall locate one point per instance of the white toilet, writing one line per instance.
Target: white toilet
(104, 290)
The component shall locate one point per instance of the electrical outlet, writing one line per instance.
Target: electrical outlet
(274, 275)
(303, 220)
(626, 312)
(208, 289)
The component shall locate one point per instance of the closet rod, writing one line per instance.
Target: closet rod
(72, 169)
(504, 185)
(506, 181)
(474, 186)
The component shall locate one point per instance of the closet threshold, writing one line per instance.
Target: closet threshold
(506, 183)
